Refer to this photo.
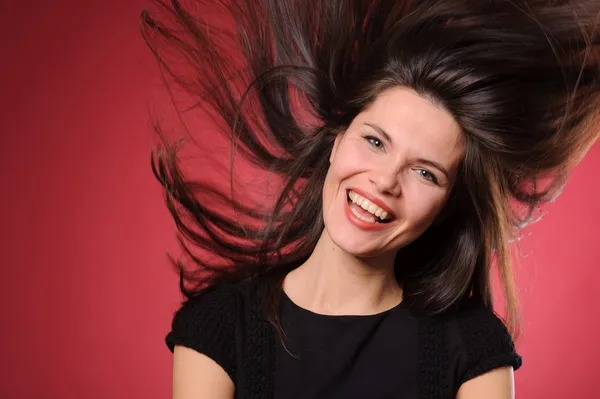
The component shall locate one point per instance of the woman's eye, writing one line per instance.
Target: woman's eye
(374, 141)
(428, 175)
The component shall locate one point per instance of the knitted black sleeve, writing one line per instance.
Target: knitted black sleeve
(486, 340)
(206, 323)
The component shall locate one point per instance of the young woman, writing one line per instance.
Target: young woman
(410, 138)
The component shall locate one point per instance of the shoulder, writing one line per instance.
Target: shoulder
(207, 322)
(481, 341)
(212, 305)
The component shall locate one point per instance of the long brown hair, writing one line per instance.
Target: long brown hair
(520, 77)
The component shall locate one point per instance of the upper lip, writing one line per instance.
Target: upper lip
(375, 201)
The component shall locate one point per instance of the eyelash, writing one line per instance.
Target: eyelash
(370, 140)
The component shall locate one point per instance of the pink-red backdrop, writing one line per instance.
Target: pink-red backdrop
(86, 292)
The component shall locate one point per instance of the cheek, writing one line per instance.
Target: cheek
(331, 186)
(345, 164)
(350, 159)
(420, 211)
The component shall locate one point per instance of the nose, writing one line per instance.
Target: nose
(387, 180)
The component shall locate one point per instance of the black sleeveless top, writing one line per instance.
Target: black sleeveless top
(374, 356)
(388, 355)
(346, 357)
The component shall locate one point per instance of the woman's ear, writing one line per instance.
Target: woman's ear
(335, 146)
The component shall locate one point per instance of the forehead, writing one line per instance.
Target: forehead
(416, 125)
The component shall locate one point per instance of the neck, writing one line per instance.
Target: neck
(335, 282)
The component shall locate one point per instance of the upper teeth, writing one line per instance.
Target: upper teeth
(367, 205)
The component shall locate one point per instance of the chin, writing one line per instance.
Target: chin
(355, 246)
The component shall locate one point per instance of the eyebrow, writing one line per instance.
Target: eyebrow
(420, 160)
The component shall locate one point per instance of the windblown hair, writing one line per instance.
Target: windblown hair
(521, 78)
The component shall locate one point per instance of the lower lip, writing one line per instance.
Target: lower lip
(361, 224)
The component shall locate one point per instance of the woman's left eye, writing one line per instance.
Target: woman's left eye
(374, 141)
(428, 175)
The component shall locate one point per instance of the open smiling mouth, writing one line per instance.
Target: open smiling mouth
(357, 206)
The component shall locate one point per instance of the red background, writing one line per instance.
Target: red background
(87, 294)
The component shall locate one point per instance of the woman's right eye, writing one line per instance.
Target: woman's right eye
(374, 141)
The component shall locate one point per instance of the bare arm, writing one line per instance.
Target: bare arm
(496, 384)
(196, 376)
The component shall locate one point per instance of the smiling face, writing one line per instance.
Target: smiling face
(402, 153)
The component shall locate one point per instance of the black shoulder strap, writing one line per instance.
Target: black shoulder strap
(239, 348)
(434, 358)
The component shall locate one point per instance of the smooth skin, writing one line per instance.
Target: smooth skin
(496, 384)
(196, 376)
